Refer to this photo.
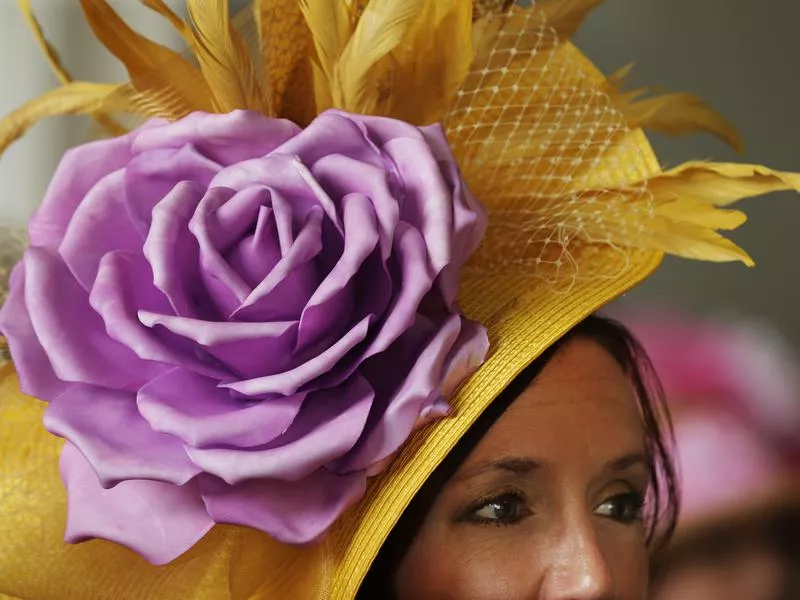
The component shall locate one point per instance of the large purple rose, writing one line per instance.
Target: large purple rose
(235, 320)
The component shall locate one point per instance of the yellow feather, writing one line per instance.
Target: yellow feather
(430, 64)
(566, 16)
(72, 98)
(720, 184)
(57, 67)
(331, 25)
(53, 59)
(671, 113)
(687, 210)
(162, 102)
(381, 28)
(161, 8)
(685, 217)
(223, 57)
(695, 242)
(150, 66)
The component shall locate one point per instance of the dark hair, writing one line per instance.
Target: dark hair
(663, 501)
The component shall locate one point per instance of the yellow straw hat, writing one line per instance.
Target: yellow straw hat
(579, 213)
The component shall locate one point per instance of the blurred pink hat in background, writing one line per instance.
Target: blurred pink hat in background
(734, 392)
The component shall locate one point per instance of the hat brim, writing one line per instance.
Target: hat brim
(522, 324)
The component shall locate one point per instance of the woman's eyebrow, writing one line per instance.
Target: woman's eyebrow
(628, 460)
(637, 458)
(518, 465)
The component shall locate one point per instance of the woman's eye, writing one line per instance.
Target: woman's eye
(502, 510)
(625, 508)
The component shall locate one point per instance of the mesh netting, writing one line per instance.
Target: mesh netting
(538, 140)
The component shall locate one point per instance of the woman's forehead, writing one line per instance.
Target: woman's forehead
(580, 405)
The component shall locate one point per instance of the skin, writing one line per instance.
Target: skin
(548, 504)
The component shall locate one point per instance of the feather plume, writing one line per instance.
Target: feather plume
(150, 66)
(50, 53)
(70, 99)
(687, 208)
(670, 113)
(57, 67)
(696, 242)
(331, 25)
(721, 184)
(165, 11)
(431, 62)
(223, 57)
(567, 16)
(381, 28)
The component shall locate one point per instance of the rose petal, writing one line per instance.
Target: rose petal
(36, 374)
(291, 512)
(341, 175)
(194, 409)
(157, 520)
(288, 382)
(333, 132)
(80, 169)
(330, 308)
(229, 220)
(328, 425)
(468, 353)
(289, 284)
(72, 334)
(256, 255)
(469, 216)
(107, 428)
(85, 243)
(232, 289)
(122, 288)
(249, 349)
(226, 138)
(152, 175)
(428, 202)
(282, 175)
(394, 416)
(172, 251)
(413, 284)
(284, 220)
(381, 130)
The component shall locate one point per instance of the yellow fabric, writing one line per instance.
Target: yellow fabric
(573, 225)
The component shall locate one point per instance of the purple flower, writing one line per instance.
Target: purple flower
(235, 320)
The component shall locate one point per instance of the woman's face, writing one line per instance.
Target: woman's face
(548, 504)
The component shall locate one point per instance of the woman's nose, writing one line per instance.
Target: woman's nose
(577, 568)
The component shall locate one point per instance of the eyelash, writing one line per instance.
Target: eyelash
(516, 496)
(632, 505)
(633, 501)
